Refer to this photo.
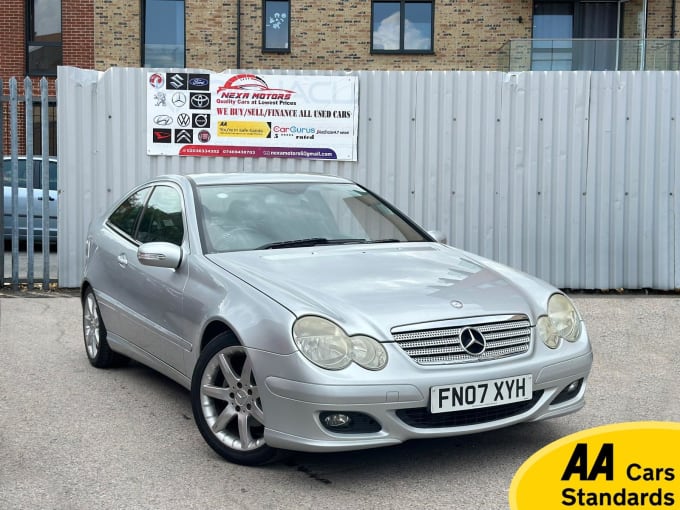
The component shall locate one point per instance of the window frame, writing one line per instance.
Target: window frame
(402, 22)
(265, 48)
(142, 20)
(29, 41)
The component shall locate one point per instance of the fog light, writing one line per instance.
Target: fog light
(336, 420)
(568, 393)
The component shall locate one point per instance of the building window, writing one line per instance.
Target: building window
(276, 26)
(163, 33)
(43, 38)
(404, 26)
(576, 35)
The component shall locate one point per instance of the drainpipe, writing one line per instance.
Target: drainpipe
(673, 19)
(238, 34)
(643, 47)
(618, 34)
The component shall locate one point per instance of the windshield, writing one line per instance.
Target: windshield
(285, 215)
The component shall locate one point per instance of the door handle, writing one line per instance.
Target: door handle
(122, 260)
(51, 199)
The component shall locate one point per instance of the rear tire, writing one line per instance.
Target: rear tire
(226, 403)
(97, 348)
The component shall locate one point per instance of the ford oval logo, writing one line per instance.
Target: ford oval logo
(198, 82)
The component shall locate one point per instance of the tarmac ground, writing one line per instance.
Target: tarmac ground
(75, 437)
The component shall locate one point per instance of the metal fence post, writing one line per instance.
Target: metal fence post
(45, 144)
(2, 197)
(30, 206)
(14, 151)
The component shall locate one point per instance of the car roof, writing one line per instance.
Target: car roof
(259, 178)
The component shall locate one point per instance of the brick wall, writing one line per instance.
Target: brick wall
(117, 32)
(77, 50)
(324, 35)
(336, 35)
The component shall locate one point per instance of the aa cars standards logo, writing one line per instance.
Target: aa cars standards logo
(626, 465)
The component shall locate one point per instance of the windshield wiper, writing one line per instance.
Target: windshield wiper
(312, 241)
(384, 241)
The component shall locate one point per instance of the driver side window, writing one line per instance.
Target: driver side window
(162, 217)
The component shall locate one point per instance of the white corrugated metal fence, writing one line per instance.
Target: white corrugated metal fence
(569, 176)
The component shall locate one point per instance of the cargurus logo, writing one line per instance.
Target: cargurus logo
(295, 130)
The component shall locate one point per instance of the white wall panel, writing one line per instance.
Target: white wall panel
(570, 176)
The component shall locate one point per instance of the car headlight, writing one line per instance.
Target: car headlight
(327, 345)
(562, 321)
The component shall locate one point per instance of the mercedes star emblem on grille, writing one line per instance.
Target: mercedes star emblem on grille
(472, 341)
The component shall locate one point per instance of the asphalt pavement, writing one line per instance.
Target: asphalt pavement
(74, 437)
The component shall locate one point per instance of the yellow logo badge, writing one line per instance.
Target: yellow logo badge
(626, 465)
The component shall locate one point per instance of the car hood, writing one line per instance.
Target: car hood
(382, 286)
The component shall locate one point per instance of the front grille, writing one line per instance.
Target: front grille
(505, 336)
(422, 418)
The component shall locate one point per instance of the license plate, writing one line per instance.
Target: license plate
(458, 397)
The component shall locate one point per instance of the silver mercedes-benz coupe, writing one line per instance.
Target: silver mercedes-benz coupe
(303, 312)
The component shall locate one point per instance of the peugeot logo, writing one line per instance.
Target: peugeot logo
(472, 341)
(179, 99)
(200, 101)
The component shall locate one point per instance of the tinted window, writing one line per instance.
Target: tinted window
(125, 216)
(162, 218)
(43, 40)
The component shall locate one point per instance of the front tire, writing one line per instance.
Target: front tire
(97, 348)
(226, 403)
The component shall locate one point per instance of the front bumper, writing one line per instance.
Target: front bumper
(400, 403)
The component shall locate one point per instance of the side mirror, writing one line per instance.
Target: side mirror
(166, 255)
(437, 236)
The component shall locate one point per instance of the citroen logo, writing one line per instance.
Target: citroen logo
(472, 341)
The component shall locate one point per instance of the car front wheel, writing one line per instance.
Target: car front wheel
(226, 403)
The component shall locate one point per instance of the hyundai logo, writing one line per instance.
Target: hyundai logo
(472, 341)
(162, 120)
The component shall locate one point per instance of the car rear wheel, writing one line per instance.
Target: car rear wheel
(226, 403)
(94, 332)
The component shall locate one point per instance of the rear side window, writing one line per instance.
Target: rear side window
(124, 218)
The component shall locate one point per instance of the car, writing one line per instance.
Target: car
(306, 313)
(22, 214)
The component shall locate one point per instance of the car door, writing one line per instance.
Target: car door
(155, 293)
(113, 278)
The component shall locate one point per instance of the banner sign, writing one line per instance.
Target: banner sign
(244, 115)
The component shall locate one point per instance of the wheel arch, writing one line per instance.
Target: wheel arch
(214, 328)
